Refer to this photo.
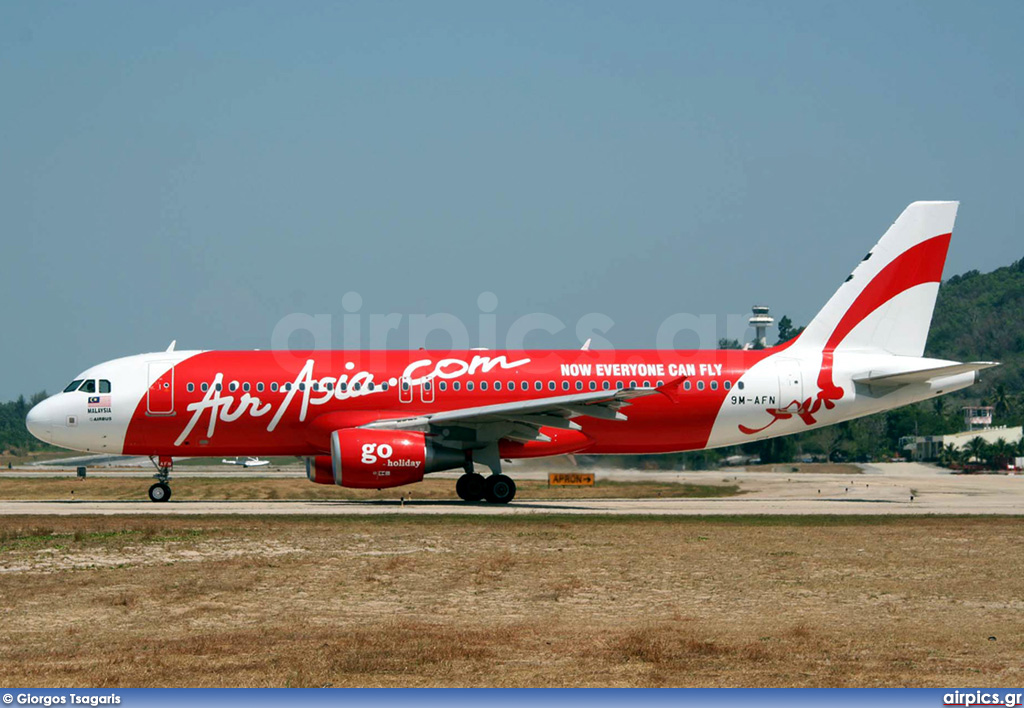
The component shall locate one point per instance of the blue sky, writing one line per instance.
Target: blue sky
(198, 171)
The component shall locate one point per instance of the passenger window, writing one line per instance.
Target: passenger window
(647, 384)
(551, 385)
(273, 386)
(565, 385)
(259, 387)
(405, 385)
(245, 387)
(191, 387)
(456, 385)
(497, 385)
(355, 386)
(538, 385)
(606, 385)
(579, 385)
(686, 385)
(483, 385)
(469, 385)
(700, 385)
(426, 385)
(660, 384)
(219, 387)
(526, 385)
(618, 385)
(73, 386)
(343, 386)
(739, 385)
(593, 385)
(329, 385)
(89, 386)
(714, 385)
(369, 386)
(727, 385)
(233, 386)
(288, 386)
(104, 386)
(205, 387)
(443, 386)
(632, 384)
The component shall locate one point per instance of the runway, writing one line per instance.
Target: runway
(884, 489)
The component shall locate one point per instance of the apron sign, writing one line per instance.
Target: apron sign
(570, 479)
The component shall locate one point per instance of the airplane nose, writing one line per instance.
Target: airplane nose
(39, 421)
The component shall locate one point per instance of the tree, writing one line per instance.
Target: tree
(1002, 401)
(729, 344)
(949, 454)
(786, 330)
(977, 448)
(1000, 452)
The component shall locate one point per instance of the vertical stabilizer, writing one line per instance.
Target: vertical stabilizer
(886, 304)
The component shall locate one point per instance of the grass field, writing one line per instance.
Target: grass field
(222, 488)
(510, 601)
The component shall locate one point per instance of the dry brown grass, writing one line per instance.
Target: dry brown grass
(227, 488)
(517, 601)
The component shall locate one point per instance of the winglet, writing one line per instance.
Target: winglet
(171, 348)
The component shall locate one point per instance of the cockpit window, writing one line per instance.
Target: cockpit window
(89, 386)
(73, 386)
(104, 386)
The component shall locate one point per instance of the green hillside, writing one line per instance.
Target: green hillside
(980, 316)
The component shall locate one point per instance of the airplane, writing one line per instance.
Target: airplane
(381, 419)
(248, 462)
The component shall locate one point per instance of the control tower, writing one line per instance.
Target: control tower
(761, 321)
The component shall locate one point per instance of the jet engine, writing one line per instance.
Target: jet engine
(376, 459)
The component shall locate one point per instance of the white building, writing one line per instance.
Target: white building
(929, 447)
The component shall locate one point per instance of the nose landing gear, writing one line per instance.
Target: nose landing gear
(161, 491)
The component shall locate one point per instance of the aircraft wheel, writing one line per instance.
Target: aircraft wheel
(470, 487)
(499, 489)
(159, 492)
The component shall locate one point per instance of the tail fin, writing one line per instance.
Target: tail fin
(886, 304)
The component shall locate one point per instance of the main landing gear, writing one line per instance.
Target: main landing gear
(495, 488)
(161, 491)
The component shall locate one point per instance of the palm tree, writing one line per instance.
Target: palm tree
(948, 455)
(1002, 451)
(976, 446)
(1002, 401)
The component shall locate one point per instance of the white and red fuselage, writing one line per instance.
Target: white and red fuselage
(227, 403)
(860, 355)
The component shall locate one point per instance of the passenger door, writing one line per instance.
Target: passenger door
(160, 396)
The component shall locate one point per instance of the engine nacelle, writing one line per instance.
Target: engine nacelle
(377, 459)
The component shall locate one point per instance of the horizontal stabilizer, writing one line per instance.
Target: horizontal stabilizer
(924, 375)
